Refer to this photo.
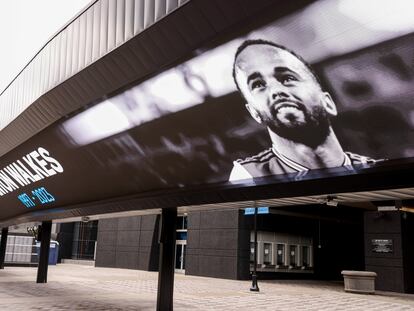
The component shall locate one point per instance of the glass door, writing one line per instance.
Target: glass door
(84, 240)
(180, 256)
(181, 243)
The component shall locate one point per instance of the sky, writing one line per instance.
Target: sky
(25, 27)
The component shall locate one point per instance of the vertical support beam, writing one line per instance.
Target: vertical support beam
(167, 258)
(3, 244)
(255, 287)
(44, 252)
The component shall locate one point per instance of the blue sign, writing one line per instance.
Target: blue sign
(260, 210)
(39, 196)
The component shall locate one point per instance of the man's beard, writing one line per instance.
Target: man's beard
(312, 132)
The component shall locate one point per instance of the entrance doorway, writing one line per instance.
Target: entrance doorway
(180, 256)
(181, 244)
(84, 240)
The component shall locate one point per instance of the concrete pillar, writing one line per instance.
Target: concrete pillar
(167, 258)
(46, 230)
(3, 245)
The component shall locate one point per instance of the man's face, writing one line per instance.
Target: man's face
(282, 93)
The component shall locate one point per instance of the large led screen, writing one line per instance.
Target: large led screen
(324, 91)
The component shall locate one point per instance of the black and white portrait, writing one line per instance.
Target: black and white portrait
(283, 94)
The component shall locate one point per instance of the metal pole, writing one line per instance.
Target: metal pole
(3, 244)
(46, 230)
(255, 287)
(167, 258)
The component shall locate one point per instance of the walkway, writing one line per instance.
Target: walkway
(77, 287)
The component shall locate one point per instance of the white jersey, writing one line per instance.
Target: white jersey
(271, 162)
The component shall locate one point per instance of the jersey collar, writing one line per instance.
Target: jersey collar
(299, 167)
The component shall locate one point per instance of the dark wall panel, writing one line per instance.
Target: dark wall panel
(105, 258)
(213, 245)
(127, 260)
(243, 251)
(128, 242)
(106, 243)
(388, 265)
(65, 239)
(408, 247)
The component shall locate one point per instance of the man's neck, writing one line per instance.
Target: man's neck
(327, 154)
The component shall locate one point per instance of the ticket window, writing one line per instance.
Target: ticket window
(305, 256)
(267, 253)
(280, 255)
(293, 256)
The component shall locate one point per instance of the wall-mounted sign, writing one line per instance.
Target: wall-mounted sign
(260, 210)
(382, 245)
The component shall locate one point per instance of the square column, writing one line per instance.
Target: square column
(167, 258)
(3, 245)
(45, 233)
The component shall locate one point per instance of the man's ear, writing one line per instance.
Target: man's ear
(253, 112)
(329, 104)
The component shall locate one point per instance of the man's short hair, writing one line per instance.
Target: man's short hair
(248, 43)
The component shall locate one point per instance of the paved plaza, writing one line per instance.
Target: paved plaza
(79, 287)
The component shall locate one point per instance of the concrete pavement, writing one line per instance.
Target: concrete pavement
(78, 287)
